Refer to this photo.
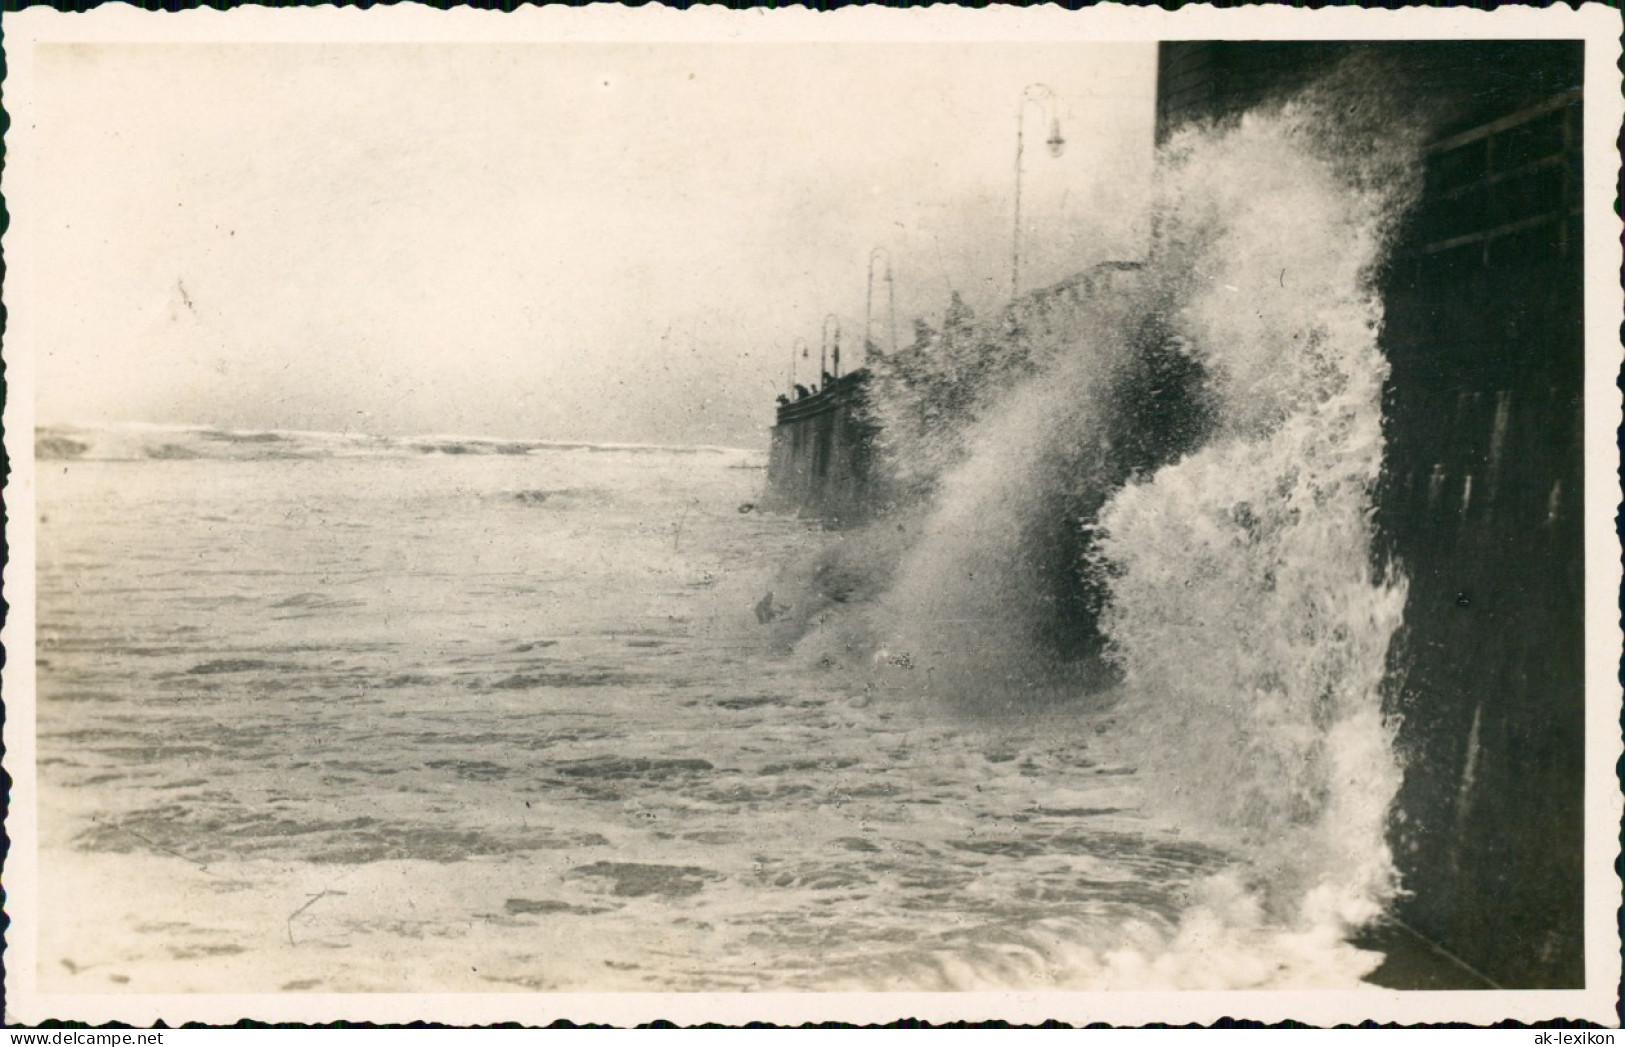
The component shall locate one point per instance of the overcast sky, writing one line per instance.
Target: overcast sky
(594, 241)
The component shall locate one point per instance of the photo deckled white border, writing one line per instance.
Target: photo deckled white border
(1595, 23)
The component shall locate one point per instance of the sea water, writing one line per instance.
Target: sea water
(333, 714)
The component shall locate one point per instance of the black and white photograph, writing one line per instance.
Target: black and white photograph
(624, 514)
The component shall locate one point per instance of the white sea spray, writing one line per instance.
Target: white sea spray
(1246, 612)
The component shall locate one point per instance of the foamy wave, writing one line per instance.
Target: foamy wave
(146, 441)
(1224, 941)
(1245, 611)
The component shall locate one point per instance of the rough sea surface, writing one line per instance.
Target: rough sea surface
(335, 713)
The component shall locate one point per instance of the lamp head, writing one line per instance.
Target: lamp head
(1055, 142)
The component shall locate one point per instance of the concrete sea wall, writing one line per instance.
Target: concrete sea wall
(819, 463)
(1482, 506)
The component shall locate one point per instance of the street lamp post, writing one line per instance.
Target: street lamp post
(869, 302)
(1039, 94)
(824, 350)
(800, 343)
